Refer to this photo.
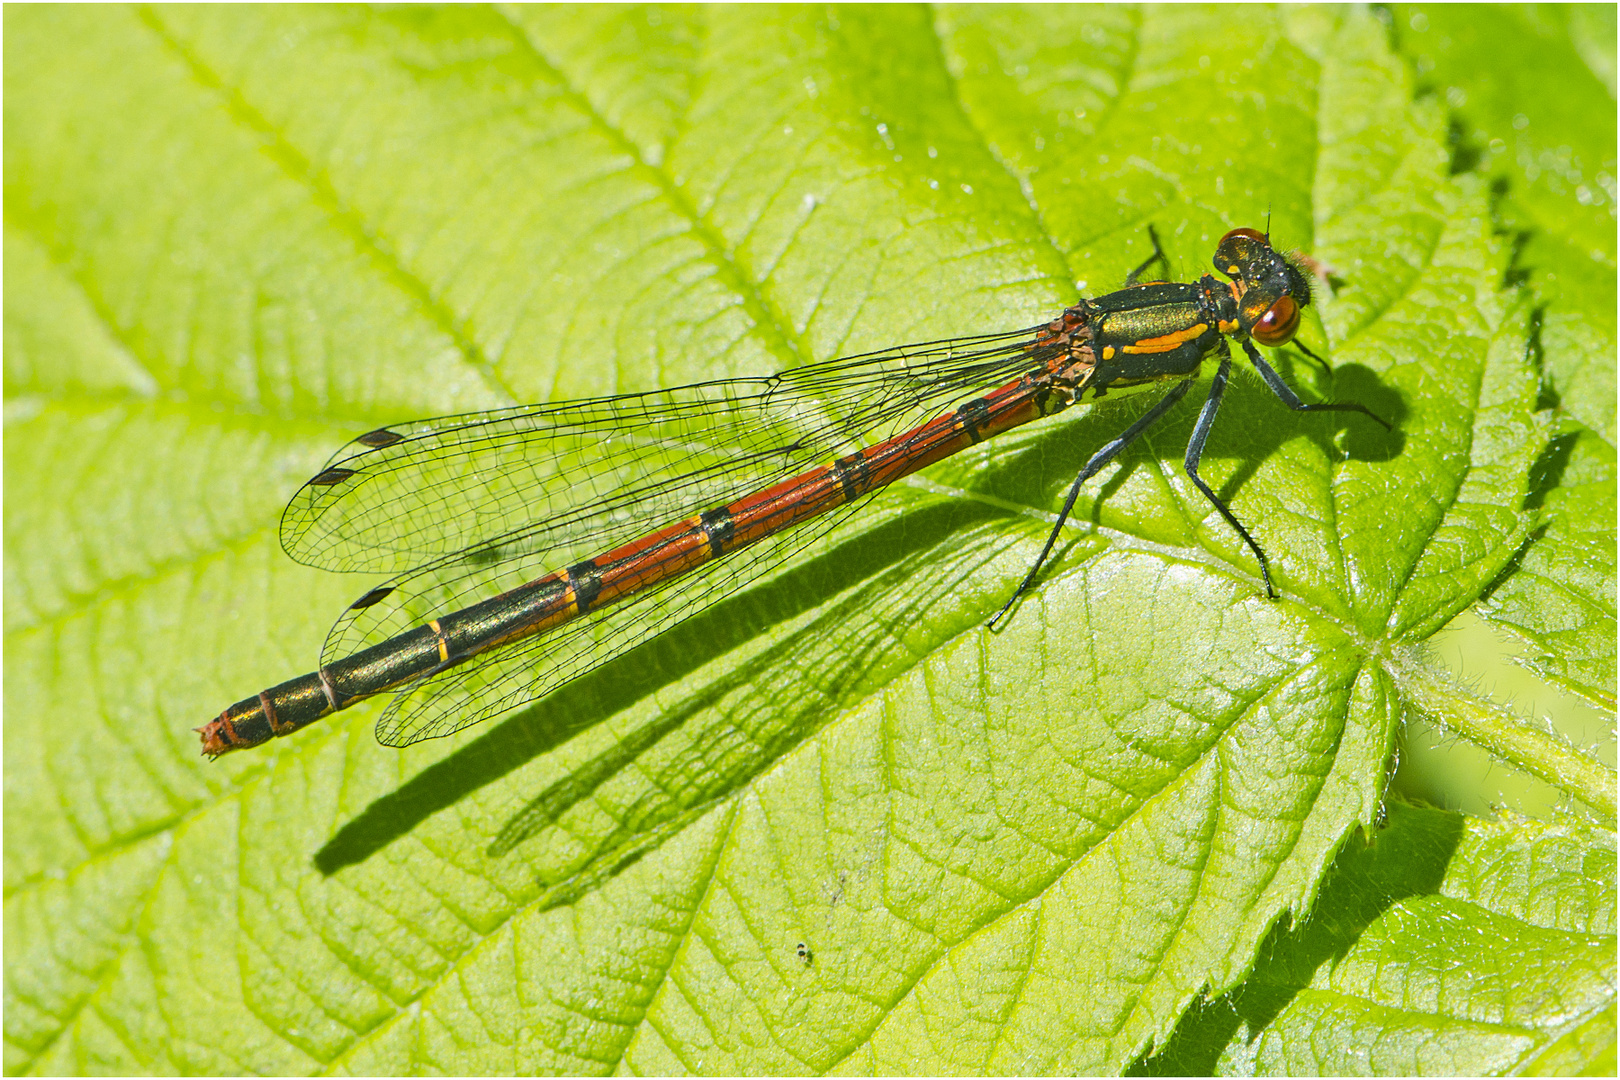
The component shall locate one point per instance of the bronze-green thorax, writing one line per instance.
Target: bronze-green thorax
(1159, 331)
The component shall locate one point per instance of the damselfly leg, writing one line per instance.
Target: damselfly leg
(1102, 457)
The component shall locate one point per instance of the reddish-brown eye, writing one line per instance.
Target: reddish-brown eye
(1250, 233)
(1277, 325)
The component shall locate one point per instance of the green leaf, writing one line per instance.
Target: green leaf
(1372, 984)
(1541, 126)
(238, 236)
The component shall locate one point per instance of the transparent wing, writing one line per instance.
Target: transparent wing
(482, 486)
(468, 507)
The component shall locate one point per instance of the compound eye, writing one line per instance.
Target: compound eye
(1250, 233)
(1277, 326)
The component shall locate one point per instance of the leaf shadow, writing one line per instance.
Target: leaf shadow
(882, 558)
(1361, 439)
(1405, 857)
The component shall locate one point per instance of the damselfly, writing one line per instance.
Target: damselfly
(573, 519)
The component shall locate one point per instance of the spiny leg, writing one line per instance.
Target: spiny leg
(1195, 452)
(1098, 460)
(1291, 399)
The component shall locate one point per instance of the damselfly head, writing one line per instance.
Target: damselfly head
(1270, 289)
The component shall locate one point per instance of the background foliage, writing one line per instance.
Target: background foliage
(1145, 828)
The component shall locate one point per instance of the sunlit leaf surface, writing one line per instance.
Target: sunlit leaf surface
(831, 825)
